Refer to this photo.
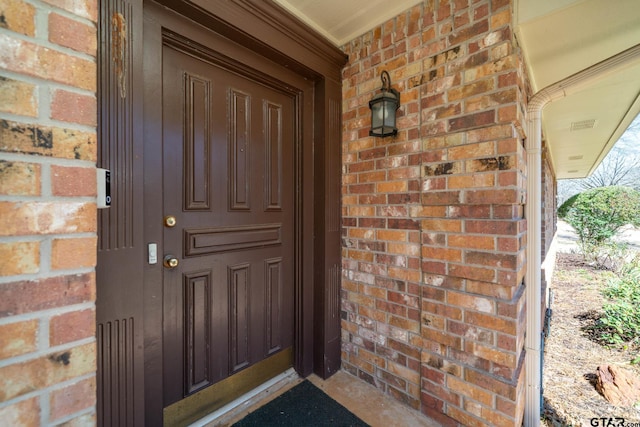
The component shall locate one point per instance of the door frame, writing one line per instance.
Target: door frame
(266, 28)
(249, 24)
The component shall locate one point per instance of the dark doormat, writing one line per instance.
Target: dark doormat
(302, 406)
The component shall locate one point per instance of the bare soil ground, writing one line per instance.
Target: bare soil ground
(572, 356)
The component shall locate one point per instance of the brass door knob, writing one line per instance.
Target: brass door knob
(170, 221)
(170, 261)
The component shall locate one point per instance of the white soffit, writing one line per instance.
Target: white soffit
(574, 34)
(598, 116)
(341, 21)
(562, 37)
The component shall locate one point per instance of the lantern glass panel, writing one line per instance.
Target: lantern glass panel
(389, 113)
(377, 114)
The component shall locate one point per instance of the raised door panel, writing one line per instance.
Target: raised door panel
(197, 137)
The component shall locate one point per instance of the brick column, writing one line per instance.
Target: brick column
(47, 211)
(434, 232)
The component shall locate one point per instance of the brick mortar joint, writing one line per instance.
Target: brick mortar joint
(46, 44)
(44, 316)
(87, 411)
(41, 83)
(36, 277)
(48, 198)
(48, 351)
(71, 16)
(51, 124)
(48, 8)
(47, 122)
(17, 157)
(45, 393)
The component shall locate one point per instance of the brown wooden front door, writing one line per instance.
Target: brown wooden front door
(228, 209)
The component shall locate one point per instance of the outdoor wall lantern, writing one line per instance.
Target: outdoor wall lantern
(383, 109)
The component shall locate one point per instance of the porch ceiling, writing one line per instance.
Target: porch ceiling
(559, 38)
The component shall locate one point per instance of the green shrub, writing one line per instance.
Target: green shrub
(563, 210)
(599, 213)
(620, 324)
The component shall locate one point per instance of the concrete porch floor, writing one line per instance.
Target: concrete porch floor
(367, 402)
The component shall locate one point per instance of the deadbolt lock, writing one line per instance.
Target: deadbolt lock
(170, 261)
(170, 221)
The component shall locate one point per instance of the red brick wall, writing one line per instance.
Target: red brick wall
(549, 226)
(549, 201)
(47, 211)
(434, 235)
